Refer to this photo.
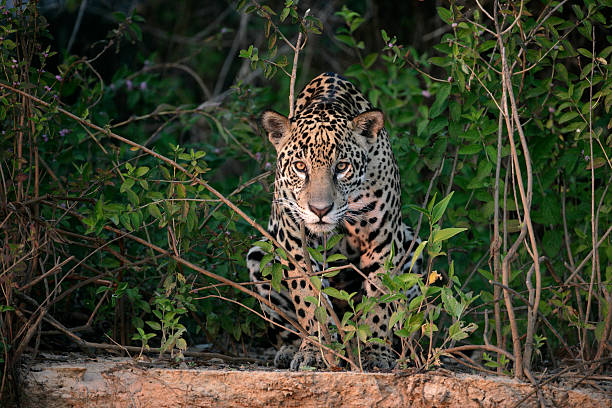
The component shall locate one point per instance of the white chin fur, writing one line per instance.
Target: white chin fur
(318, 228)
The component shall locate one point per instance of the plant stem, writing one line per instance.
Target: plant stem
(296, 53)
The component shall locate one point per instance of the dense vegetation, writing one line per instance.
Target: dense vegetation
(132, 172)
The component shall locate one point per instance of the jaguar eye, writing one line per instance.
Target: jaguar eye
(299, 166)
(342, 167)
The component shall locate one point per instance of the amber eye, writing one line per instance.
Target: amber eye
(299, 166)
(342, 167)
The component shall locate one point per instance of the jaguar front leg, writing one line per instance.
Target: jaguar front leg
(309, 353)
(376, 355)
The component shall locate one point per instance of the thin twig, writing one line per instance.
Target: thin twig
(296, 53)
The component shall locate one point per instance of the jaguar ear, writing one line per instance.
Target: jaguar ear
(369, 123)
(277, 126)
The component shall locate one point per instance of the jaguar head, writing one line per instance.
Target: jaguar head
(321, 164)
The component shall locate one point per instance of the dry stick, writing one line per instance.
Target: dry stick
(329, 270)
(296, 53)
(496, 244)
(174, 65)
(468, 362)
(480, 347)
(595, 253)
(23, 258)
(586, 258)
(565, 233)
(49, 272)
(244, 185)
(26, 338)
(536, 387)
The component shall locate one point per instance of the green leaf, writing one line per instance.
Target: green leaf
(451, 305)
(264, 263)
(316, 282)
(284, 14)
(126, 185)
(154, 325)
(487, 275)
(333, 241)
(311, 299)
(363, 332)
(439, 208)
(181, 344)
(445, 15)
(437, 125)
(440, 104)
(429, 328)
(336, 257)
(321, 314)
(345, 318)
(416, 254)
(346, 39)
(265, 245)
(331, 274)
(315, 254)
(585, 52)
(567, 117)
(446, 233)
(277, 276)
(133, 198)
(141, 171)
(98, 212)
(281, 253)
(456, 333)
(416, 302)
(154, 211)
(578, 11)
(409, 279)
(125, 221)
(470, 149)
(419, 209)
(333, 292)
(396, 317)
(369, 60)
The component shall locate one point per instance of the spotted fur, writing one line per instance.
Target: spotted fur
(335, 170)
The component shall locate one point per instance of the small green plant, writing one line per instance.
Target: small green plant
(493, 363)
(144, 338)
(170, 306)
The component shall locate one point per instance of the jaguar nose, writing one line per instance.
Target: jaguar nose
(320, 209)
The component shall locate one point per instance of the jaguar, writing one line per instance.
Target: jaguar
(335, 173)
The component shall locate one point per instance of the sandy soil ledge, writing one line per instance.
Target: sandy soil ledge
(121, 382)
